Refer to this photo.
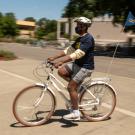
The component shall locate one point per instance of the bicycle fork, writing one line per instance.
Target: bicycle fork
(40, 97)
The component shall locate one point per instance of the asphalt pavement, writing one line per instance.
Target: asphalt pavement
(17, 74)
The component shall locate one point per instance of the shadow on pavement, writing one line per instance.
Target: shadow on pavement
(123, 51)
(64, 123)
(17, 125)
(61, 112)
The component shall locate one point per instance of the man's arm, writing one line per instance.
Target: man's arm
(61, 54)
(67, 51)
(73, 56)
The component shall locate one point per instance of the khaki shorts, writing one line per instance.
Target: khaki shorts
(78, 74)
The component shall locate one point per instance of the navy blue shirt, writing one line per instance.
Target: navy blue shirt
(85, 43)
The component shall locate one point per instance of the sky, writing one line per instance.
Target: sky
(50, 9)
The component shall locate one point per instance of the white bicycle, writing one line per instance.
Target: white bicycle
(34, 105)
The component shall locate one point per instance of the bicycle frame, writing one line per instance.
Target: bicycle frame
(54, 81)
(51, 77)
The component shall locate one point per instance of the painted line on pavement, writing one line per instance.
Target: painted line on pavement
(126, 112)
(17, 76)
(111, 75)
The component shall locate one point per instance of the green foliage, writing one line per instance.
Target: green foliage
(77, 8)
(92, 8)
(31, 19)
(45, 27)
(41, 22)
(1, 22)
(51, 36)
(7, 55)
(75, 37)
(1, 15)
(51, 26)
(39, 33)
(66, 35)
(8, 25)
(23, 40)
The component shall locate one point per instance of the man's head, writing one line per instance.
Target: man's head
(83, 24)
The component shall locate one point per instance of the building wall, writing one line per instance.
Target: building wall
(107, 31)
(27, 28)
(102, 29)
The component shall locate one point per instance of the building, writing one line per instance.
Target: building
(102, 29)
(27, 28)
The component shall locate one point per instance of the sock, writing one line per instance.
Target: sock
(77, 112)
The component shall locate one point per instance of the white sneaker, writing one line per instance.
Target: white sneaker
(72, 116)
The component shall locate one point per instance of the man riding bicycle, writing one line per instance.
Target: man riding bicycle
(80, 56)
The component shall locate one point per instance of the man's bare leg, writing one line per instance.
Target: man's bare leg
(62, 71)
(72, 88)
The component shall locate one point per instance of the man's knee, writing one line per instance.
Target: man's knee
(63, 72)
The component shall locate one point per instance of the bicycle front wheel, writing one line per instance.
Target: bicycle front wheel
(33, 105)
(97, 102)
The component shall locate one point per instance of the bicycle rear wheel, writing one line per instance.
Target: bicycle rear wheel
(97, 102)
(34, 105)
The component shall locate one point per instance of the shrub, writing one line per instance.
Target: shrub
(75, 37)
(25, 40)
(66, 35)
(51, 36)
(7, 55)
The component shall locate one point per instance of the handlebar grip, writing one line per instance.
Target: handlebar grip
(49, 62)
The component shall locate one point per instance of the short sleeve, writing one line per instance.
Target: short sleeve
(86, 44)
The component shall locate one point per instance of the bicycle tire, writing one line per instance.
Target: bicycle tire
(28, 100)
(91, 111)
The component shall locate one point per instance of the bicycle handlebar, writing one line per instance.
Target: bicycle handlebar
(49, 64)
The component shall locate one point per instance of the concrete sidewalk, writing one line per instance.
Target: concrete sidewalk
(17, 74)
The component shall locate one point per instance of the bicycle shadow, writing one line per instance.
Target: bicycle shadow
(56, 118)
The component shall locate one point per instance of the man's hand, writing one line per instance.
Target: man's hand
(56, 65)
(51, 59)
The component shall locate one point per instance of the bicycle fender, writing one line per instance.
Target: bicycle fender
(48, 89)
(43, 85)
(102, 82)
(40, 84)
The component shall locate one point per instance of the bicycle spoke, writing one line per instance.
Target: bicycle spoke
(33, 106)
(97, 99)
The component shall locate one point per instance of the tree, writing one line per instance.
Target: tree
(44, 27)
(41, 22)
(1, 15)
(51, 26)
(39, 33)
(77, 8)
(1, 23)
(9, 26)
(40, 30)
(31, 19)
(91, 8)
